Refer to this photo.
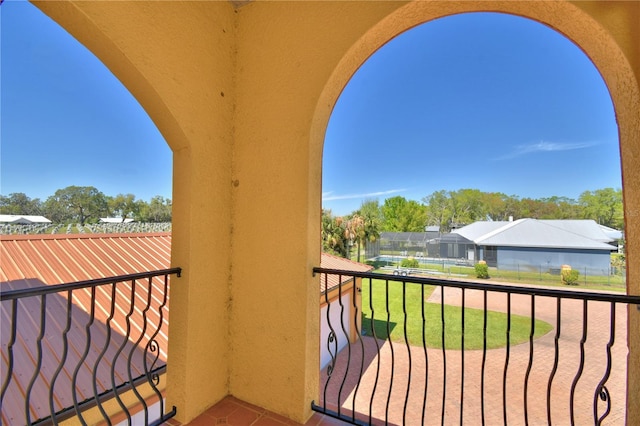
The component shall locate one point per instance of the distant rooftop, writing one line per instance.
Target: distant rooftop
(577, 234)
(15, 219)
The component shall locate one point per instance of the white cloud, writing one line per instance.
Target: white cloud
(326, 196)
(544, 146)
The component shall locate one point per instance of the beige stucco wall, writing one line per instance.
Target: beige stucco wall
(243, 97)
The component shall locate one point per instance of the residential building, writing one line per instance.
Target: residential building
(534, 245)
(15, 219)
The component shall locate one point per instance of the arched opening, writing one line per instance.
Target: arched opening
(415, 14)
(591, 42)
(476, 118)
(80, 152)
(70, 125)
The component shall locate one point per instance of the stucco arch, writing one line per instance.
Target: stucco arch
(615, 58)
(565, 18)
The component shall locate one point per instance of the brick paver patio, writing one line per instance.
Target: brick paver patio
(429, 371)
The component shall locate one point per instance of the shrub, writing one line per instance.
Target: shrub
(482, 270)
(570, 276)
(409, 263)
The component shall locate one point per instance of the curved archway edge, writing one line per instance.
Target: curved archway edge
(621, 78)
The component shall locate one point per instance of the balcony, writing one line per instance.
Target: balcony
(93, 350)
(243, 92)
(96, 351)
(573, 372)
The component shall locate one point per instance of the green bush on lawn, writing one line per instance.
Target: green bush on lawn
(482, 270)
(410, 263)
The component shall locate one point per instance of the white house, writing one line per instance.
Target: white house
(15, 219)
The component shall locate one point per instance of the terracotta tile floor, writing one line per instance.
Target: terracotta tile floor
(234, 412)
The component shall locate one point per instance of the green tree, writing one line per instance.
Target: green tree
(354, 232)
(604, 206)
(334, 239)
(467, 206)
(372, 217)
(19, 204)
(438, 210)
(123, 205)
(79, 203)
(157, 210)
(402, 215)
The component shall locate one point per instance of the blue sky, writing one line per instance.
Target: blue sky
(66, 120)
(486, 101)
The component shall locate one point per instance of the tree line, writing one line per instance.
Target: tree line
(86, 204)
(448, 210)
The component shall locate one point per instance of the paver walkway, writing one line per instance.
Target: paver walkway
(462, 394)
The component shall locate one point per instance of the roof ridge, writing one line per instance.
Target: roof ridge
(22, 237)
(503, 228)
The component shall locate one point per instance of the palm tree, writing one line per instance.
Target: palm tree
(333, 234)
(354, 232)
(371, 216)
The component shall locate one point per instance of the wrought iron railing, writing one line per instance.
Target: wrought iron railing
(427, 352)
(94, 350)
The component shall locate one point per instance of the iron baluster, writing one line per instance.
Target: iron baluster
(121, 348)
(506, 360)
(386, 411)
(556, 340)
(462, 358)
(107, 341)
(444, 355)
(601, 390)
(10, 343)
(38, 366)
(63, 358)
(583, 340)
(484, 353)
(426, 356)
(532, 333)
(346, 335)
(137, 345)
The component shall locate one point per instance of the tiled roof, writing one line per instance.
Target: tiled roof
(36, 260)
(329, 261)
(62, 258)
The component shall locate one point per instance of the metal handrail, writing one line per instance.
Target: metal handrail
(84, 336)
(501, 288)
(57, 288)
(347, 395)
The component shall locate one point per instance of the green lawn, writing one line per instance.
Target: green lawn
(520, 327)
(541, 277)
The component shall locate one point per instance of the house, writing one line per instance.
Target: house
(534, 245)
(340, 297)
(242, 92)
(115, 220)
(14, 219)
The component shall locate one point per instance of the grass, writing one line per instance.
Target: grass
(496, 337)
